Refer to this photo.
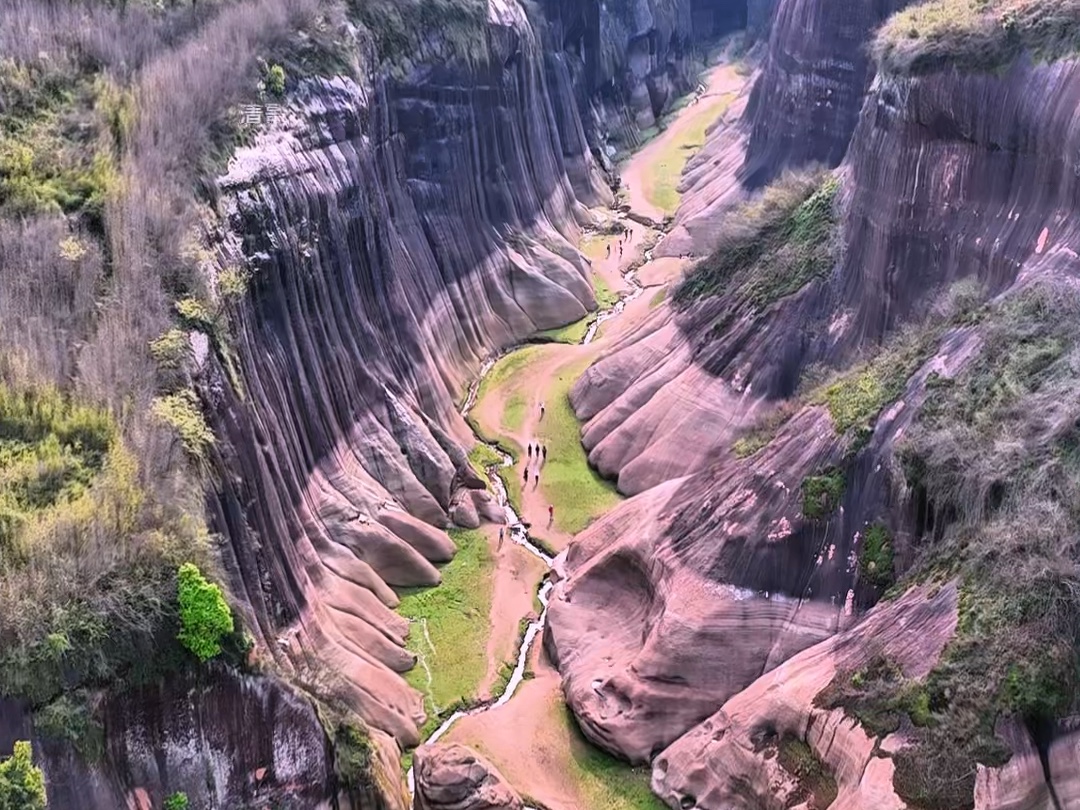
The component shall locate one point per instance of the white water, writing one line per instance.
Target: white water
(518, 531)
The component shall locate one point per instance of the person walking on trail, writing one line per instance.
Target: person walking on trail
(609, 251)
(530, 450)
(536, 480)
(545, 452)
(551, 514)
(501, 530)
(541, 410)
(526, 475)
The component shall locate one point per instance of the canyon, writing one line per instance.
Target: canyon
(629, 404)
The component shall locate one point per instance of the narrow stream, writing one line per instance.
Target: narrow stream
(518, 530)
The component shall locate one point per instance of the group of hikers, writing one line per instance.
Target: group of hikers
(623, 239)
(540, 453)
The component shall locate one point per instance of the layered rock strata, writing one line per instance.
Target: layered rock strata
(630, 60)
(225, 740)
(949, 177)
(396, 233)
(803, 110)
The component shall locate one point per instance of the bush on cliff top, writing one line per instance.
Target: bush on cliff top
(87, 556)
(772, 246)
(978, 35)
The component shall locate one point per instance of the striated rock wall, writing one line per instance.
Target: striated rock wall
(631, 59)
(948, 177)
(226, 740)
(397, 232)
(803, 108)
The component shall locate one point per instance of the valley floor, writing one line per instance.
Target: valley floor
(533, 739)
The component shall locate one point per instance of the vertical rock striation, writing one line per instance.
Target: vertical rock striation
(397, 231)
(225, 740)
(948, 177)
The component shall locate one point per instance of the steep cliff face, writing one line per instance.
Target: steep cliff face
(397, 232)
(803, 109)
(223, 740)
(631, 59)
(949, 176)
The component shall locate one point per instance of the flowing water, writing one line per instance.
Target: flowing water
(519, 532)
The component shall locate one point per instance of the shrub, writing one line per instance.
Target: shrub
(205, 618)
(772, 246)
(976, 34)
(70, 718)
(275, 80)
(876, 556)
(176, 801)
(353, 756)
(182, 413)
(22, 785)
(172, 350)
(817, 786)
(822, 493)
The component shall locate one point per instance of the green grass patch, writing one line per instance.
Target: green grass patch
(772, 246)
(877, 695)
(606, 298)
(513, 416)
(573, 333)
(603, 780)
(817, 787)
(976, 35)
(659, 297)
(856, 398)
(578, 492)
(876, 556)
(483, 456)
(822, 494)
(663, 176)
(457, 613)
(508, 369)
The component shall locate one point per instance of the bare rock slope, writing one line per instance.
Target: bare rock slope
(723, 568)
(451, 777)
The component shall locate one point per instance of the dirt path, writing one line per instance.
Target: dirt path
(661, 161)
(517, 577)
(532, 738)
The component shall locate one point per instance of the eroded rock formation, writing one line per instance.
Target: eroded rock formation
(396, 232)
(451, 777)
(947, 177)
(730, 761)
(630, 60)
(803, 110)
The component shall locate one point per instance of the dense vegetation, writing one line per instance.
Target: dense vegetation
(22, 786)
(977, 34)
(772, 246)
(112, 123)
(994, 452)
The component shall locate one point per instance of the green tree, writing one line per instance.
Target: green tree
(22, 786)
(205, 617)
(275, 80)
(177, 801)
